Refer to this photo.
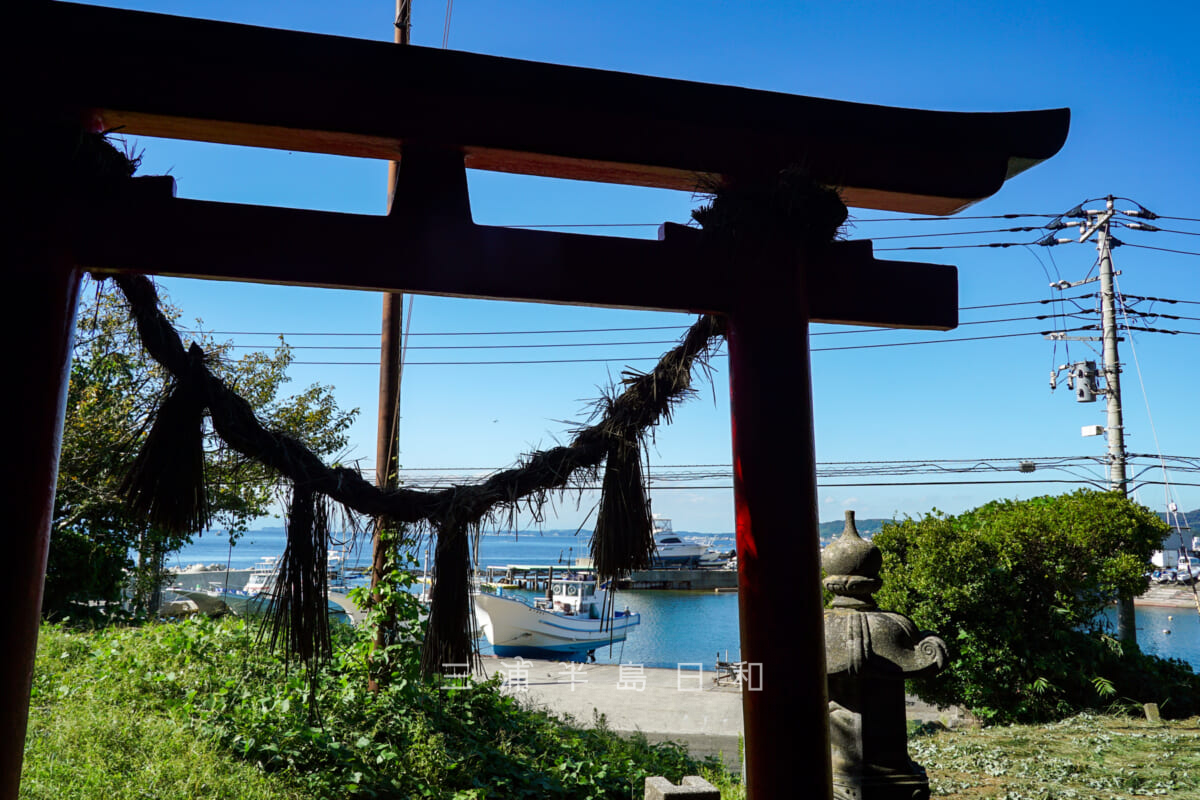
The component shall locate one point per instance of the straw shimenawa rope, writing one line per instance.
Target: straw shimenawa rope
(646, 400)
(773, 217)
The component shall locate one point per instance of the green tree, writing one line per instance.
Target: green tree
(114, 388)
(1017, 590)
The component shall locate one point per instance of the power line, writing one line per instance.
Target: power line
(1162, 249)
(955, 246)
(632, 359)
(460, 346)
(552, 345)
(931, 341)
(591, 225)
(954, 218)
(485, 363)
(439, 333)
(1025, 229)
(1030, 302)
(1168, 230)
(569, 331)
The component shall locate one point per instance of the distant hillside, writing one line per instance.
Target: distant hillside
(1192, 517)
(827, 531)
(1189, 518)
(866, 527)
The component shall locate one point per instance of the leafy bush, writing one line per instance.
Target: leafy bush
(1016, 589)
(113, 391)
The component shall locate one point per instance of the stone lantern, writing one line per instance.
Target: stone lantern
(868, 655)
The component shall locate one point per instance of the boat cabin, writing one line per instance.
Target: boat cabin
(574, 597)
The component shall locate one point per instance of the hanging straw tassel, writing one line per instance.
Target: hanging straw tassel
(623, 539)
(165, 484)
(449, 645)
(299, 617)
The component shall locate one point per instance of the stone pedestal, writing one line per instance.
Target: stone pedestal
(869, 653)
(691, 788)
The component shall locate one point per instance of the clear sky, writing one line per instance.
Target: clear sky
(1129, 74)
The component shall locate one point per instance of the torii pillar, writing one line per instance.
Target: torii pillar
(237, 84)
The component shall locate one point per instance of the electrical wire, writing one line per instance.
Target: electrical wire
(1161, 249)
(446, 25)
(633, 359)
(462, 346)
(954, 246)
(443, 333)
(1145, 396)
(956, 233)
(954, 218)
(1168, 230)
(932, 341)
(588, 225)
(551, 345)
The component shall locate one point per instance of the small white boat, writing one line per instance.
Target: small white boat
(712, 558)
(254, 598)
(1188, 569)
(574, 621)
(672, 551)
(202, 576)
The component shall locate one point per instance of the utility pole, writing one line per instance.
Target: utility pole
(387, 443)
(1112, 365)
(1097, 223)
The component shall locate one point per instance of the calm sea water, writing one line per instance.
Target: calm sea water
(677, 627)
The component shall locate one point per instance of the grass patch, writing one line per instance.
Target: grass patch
(197, 709)
(1087, 756)
(95, 732)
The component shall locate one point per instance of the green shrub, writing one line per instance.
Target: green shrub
(1017, 591)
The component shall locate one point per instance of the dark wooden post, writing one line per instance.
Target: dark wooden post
(775, 491)
(40, 327)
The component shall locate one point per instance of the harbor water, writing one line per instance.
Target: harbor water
(677, 627)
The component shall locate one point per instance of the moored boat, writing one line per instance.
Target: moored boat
(672, 551)
(574, 619)
(254, 598)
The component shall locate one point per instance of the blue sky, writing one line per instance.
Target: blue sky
(1129, 75)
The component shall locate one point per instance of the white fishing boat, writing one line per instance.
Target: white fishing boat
(672, 551)
(574, 620)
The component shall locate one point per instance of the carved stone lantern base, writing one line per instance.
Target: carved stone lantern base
(893, 787)
(869, 653)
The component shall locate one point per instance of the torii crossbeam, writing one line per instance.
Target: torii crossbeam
(184, 78)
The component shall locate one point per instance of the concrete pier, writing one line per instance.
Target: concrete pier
(679, 705)
(533, 578)
(1169, 596)
(685, 579)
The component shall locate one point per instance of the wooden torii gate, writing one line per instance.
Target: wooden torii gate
(176, 77)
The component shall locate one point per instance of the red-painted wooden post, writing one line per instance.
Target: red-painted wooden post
(39, 330)
(774, 461)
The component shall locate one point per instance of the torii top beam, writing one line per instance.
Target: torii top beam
(176, 77)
